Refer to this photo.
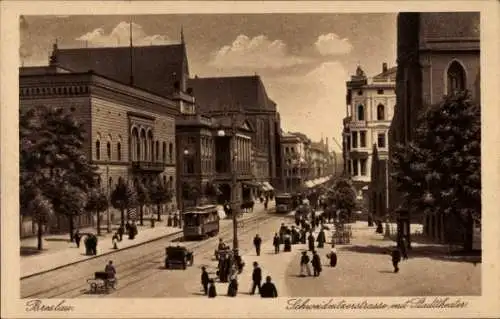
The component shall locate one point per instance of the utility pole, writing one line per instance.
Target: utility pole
(234, 182)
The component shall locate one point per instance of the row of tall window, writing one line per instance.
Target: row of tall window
(360, 116)
(358, 167)
(381, 139)
(140, 152)
(108, 151)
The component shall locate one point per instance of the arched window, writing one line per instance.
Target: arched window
(119, 151)
(97, 150)
(170, 181)
(361, 112)
(157, 148)
(380, 112)
(164, 154)
(151, 146)
(144, 143)
(164, 180)
(110, 182)
(171, 152)
(136, 147)
(99, 181)
(456, 77)
(108, 150)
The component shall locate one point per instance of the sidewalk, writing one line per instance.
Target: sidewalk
(59, 252)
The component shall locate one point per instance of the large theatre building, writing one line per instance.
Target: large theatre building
(130, 132)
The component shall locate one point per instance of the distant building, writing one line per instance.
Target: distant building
(437, 53)
(295, 151)
(218, 96)
(130, 133)
(370, 107)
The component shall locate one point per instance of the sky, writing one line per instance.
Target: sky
(304, 60)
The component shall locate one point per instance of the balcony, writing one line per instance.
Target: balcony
(145, 166)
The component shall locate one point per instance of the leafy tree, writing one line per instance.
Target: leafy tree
(97, 202)
(143, 198)
(39, 207)
(123, 197)
(160, 194)
(53, 160)
(441, 169)
(343, 197)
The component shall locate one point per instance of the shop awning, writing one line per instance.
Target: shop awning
(309, 184)
(252, 184)
(267, 186)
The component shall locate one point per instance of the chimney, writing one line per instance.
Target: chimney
(384, 67)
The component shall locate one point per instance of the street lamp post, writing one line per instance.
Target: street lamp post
(108, 226)
(234, 182)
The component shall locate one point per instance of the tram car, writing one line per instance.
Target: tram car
(201, 222)
(284, 203)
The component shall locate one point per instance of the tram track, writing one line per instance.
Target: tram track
(131, 268)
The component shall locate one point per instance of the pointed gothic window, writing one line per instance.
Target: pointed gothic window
(456, 77)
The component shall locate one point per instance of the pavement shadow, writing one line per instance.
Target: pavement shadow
(386, 272)
(30, 251)
(58, 239)
(433, 251)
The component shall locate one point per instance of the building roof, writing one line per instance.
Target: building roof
(231, 93)
(389, 75)
(155, 68)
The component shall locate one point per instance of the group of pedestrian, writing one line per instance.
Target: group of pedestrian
(266, 290)
(315, 263)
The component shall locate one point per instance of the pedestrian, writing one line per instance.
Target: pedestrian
(310, 240)
(396, 258)
(403, 246)
(204, 280)
(265, 204)
(232, 289)
(304, 264)
(287, 243)
(332, 256)
(321, 238)
(276, 243)
(257, 241)
(120, 232)
(111, 274)
(316, 263)
(303, 236)
(256, 277)
(77, 237)
(212, 293)
(115, 239)
(268, 289)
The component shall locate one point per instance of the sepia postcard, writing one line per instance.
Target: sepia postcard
(249, 159)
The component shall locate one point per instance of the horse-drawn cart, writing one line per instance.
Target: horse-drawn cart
(102, 282)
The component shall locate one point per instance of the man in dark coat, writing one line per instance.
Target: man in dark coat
(268, 289)
(212, 293)
(321, 238)
(304, 264)
(333, 256)
(316, 264)
(256, 277)
(204, 279)
(403, 247)
(276, 243)
(257, 241)
(310, 241)
(77, 237)
(120, 232)
(396, 258)
(303, 236)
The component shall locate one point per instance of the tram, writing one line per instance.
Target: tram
(201, 222)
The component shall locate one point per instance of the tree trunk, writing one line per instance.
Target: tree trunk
(141, 215)
(71, 227)
(158, 212)
(39, 235)
(98, 223)
(122, 220)
(469, 232)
